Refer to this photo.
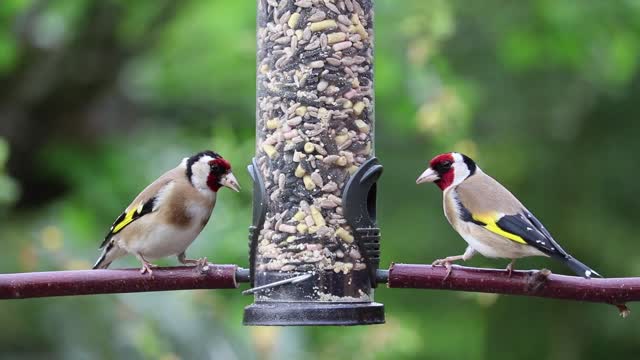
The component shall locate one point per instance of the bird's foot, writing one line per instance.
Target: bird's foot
(201, 262)
(510, 267)
(146, 267)
(446, 262)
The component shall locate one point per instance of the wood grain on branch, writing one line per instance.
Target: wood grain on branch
(615, 291)
(88, 282)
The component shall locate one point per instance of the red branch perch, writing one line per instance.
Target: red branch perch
(615, 291)
(88, 282)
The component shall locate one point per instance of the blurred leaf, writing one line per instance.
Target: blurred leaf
(8, 54)
(10, 8)
(8, 190)
(624, 51)
(4, 153)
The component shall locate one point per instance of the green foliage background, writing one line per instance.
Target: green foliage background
(97, 98)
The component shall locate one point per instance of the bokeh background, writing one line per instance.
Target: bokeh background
(97, 98)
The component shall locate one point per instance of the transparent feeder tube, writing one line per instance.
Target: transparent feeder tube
(315, 127)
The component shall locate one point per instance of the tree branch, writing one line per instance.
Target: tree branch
(614, 291)
(88, 282)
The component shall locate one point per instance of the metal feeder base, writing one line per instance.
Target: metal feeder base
(313, 314)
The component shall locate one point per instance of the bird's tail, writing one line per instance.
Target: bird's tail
(580, 268)
(109, 253)
(102, 263)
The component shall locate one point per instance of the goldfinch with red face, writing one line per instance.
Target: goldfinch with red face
(165, 218)
(489, 218)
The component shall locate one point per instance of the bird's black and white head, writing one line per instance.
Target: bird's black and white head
(208, 171)
(447, 170)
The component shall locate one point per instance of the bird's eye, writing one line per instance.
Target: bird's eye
(445, 164)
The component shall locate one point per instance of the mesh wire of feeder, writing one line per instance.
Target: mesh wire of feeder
(314, 152)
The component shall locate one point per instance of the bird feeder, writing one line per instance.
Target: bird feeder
(314, 242)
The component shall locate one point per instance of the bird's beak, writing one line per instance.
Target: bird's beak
(428, 175)
(230, 181)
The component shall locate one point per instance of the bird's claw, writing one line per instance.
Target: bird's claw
(201, 263)
(146, 268)
(437, 262)
(509, 268)
(446, 263)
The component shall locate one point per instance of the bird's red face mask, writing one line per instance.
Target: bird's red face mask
(440, 171)
(220, 175)
(448, 170)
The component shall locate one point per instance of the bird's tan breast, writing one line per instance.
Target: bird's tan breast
(185, 206)
(450, 206)
(181, 215)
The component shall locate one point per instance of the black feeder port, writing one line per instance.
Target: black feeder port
(322, 297)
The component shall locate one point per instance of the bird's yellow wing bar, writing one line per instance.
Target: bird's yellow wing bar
(522, 228)
(129, 216)
(490, 222)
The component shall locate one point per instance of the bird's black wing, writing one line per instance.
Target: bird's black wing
(127, 217)
(530, 229)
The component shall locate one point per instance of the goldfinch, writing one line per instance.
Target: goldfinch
(489, 218)
(168, 215)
